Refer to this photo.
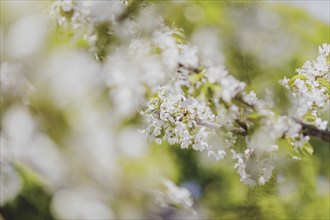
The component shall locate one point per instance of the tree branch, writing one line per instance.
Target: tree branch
(311, 130)
(243, 127)
(242, 130)
(239, 97)
(191, 69)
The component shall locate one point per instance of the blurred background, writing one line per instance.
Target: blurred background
(70, 146)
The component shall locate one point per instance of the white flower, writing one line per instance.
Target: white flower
(215, 73)
(80, 203)
(293, 129)
(188, 56)
(296, 158)
(309, 87)
(250, 98)
(173, 195)
(324, 49)
(255, 170)
(285, 82)
(240, 166)
(299, 143)
(67, 5)
(321, 124)
(230, 87)
(217, 155)
(169, 49)
(158, 141)
(11, 183)
(179, 117)
(12, 79)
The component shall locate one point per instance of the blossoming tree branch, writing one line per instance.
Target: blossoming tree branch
(207, 109)
(173, 91)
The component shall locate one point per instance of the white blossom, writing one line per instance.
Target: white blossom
(12, 79)
(321, 124)
(179, 118)
(240, 166)
(254, 168)
(80, 203)
(188, 56)
(310, 87)
(173, 195)
(219, 155)
(83, 16)
(11, 183)
(251, 98)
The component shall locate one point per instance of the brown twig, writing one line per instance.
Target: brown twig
(240, 98)
(243, 126)
(311, 130)
(191, 69)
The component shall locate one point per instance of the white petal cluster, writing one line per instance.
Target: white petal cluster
(286, 127)
(255, 168)
(173, 196)
(240, 166)
(181, 113)
(229, 84)
(175, 118)
(83, 16)
(165, 41)
(11, 183)
(310, 88)
(258, 161)
(251, 98)
(12, 80)
(72, 83)
(134, 66)
(80, 203)
(189, 56)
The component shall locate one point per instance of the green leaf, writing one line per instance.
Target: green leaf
(81, 43)
(306, 150)
(285, 143)
(293, 79)
(193, 78)
(309, 117)
(254, 116)
(179, 37)
(324, 83)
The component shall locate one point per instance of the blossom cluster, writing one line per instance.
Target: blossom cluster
(173, 195)
(207, 109)
(178, 118)
(263, 165)
(82, 18)
(310, 89)
(65, 111)
(191, 107)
